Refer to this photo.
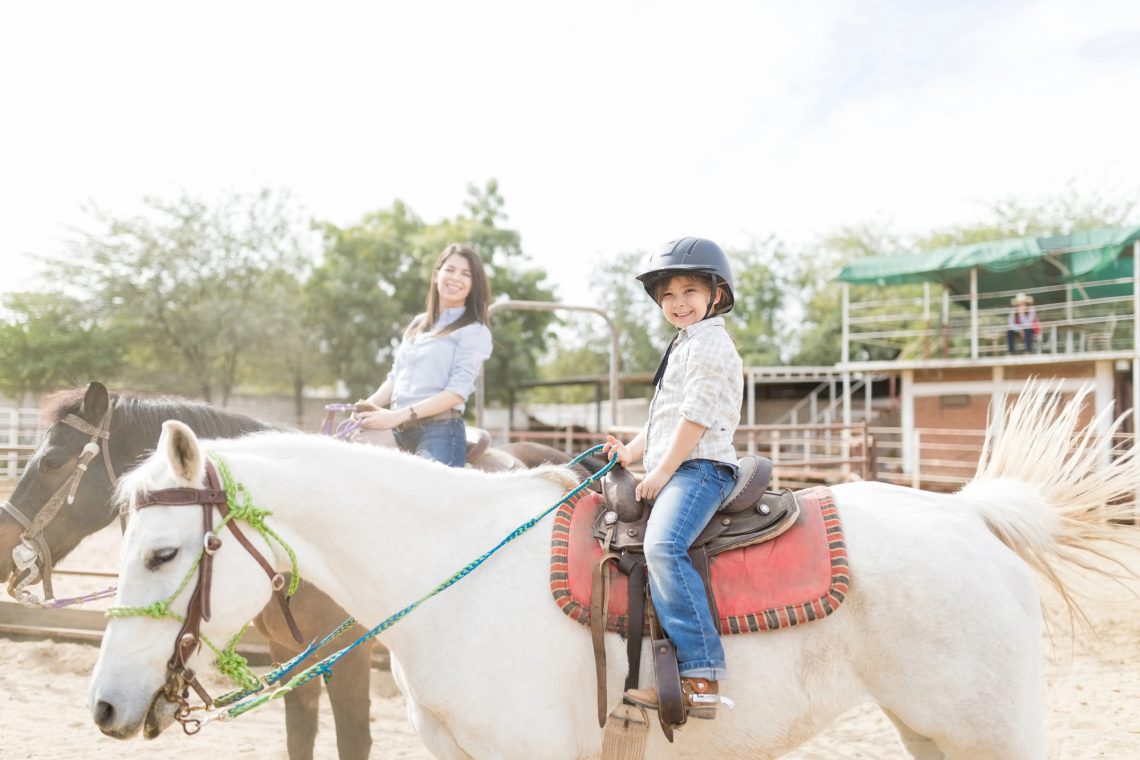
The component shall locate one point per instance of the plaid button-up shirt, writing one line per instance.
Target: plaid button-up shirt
(703, 383)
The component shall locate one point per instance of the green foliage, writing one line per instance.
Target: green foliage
(761, 274)
(375, 275)
(50, 341)
(189, 287)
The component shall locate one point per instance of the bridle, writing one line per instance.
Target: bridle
(33, 553)
(189, 637)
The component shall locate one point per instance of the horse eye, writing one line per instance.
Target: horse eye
(51, 463)
(160, 557)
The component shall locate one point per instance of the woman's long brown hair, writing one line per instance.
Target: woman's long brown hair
(476, 304)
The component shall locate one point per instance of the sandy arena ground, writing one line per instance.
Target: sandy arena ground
(1092, 698)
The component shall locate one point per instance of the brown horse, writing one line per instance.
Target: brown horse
(133, 427)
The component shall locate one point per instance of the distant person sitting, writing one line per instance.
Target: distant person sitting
(1022, 321)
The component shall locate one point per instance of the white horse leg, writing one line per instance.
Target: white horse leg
(920, 747)
(430, 729)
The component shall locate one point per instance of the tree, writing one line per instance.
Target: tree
(185, 284)
(756, 320)
(49, 341)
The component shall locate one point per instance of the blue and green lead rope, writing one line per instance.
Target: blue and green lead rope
(324, 667)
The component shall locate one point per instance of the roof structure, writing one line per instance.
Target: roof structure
(1021, 263)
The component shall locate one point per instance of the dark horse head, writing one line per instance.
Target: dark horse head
(132, 430)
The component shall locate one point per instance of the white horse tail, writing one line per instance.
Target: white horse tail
(1053, 491)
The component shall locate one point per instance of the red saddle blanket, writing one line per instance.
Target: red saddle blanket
(795, 578)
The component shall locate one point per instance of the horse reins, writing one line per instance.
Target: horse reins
(189, 637)
(33, 548)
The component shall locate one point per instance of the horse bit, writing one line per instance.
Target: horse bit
(32, 552)
(181, 678)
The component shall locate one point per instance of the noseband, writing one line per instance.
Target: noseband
(33, 553)
(189, 637)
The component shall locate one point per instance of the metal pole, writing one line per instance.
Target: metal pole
(974, 313)
(916, 473)
(845, 351)
(1136, 356)
(751, 411)
(615, 349)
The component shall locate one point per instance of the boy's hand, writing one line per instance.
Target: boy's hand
(614, 446)
(652, 484)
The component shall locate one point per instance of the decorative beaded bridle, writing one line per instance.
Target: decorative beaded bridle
(180, 677)
(32, 556)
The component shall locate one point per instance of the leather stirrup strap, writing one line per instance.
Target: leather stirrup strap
(700, 559)
(636, 634)
(599, 608)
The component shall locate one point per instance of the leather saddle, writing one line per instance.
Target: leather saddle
(478, 441)
(749, 515)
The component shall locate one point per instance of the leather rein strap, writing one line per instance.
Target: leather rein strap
(210, 498)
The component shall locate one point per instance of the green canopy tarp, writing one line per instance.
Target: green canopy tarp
(1016, 264)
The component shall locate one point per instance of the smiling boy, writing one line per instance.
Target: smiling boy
(690, 460)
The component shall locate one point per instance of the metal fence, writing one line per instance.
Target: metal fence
(19, 433)
(1075, 319)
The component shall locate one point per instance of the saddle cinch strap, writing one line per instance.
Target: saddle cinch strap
(750, 514)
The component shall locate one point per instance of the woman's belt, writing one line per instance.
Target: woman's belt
(444, 416)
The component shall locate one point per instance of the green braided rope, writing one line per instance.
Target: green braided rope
(245, 510)
(161, 609)
(324, 666)
(281, 671)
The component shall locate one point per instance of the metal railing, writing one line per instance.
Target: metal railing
(1074, 319)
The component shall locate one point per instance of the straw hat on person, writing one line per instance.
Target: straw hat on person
(1021, 298)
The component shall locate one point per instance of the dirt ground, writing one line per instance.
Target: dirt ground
(1092, 698)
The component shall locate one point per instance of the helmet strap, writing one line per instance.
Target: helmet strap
(660, 373)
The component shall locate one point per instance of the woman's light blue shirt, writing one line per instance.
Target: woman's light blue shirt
(430, 363)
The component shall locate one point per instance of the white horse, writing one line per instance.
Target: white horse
(942, 626)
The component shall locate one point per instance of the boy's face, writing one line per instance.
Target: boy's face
(685, 300)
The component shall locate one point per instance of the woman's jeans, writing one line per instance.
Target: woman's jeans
(442, 440)
(682, 510)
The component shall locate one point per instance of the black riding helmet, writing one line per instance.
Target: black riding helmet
(693, 256)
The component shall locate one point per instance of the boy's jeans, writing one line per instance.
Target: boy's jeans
(683, 508)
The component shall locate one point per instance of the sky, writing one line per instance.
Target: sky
(610, 126)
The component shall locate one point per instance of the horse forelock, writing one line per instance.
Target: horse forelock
(55, 406)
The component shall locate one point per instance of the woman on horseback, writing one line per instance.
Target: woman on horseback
(437, 363)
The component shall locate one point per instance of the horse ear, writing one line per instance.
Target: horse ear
(182, 451)
(95, 403)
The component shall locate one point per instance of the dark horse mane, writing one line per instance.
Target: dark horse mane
(151, 411)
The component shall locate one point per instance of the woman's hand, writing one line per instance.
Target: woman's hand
(614, 446)
(652, 484)
(364, 405)
(381, 419)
